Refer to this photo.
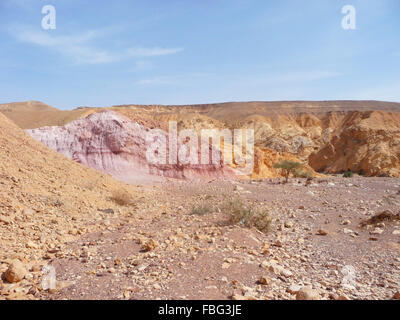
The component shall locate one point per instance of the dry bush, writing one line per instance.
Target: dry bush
(201, 209)
(384, 216)
(90, 186)
(299, 173)
(122, 197)
(248, 214)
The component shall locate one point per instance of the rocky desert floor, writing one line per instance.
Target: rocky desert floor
(335, 238)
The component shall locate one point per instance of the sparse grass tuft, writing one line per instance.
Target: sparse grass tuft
(303, 174)
(201, 209)
(122, 198)
(248, 214)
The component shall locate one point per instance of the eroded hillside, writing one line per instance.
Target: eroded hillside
(47, 200)
(330, 136)
(110, 142)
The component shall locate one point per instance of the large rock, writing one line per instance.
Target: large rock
(307, 293)
(273, 267)
(15, 272)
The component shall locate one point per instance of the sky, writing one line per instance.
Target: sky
(104, 53)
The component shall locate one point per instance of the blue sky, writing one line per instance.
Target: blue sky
(198, 51)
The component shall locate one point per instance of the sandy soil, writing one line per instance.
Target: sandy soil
(164, 251)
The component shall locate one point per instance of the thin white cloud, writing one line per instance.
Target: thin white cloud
(278, 79)
(151, 52)
(74, 47)
(290, 77)
(254, 81)
(78, 49)
(172, 80)
(309, 76)
(158, 81)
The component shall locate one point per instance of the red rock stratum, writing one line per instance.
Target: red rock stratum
(110, 142)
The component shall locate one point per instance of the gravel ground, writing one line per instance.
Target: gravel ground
(315, 248)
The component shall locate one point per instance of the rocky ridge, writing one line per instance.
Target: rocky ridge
(330, 136)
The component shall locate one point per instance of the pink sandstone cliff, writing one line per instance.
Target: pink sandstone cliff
(112, 143)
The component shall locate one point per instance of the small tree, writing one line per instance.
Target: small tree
(288, 167)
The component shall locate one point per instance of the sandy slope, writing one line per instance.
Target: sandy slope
(46, 199)
(35, 114)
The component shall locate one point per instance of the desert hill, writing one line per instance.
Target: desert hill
(47, 199)
(35, 114)
(229, 112)
(331, 136)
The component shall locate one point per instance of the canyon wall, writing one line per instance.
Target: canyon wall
(329, 136)
(112, 143)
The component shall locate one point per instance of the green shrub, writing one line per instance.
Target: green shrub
(348, 174)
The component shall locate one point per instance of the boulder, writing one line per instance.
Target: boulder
(16, 272)
(307, 293)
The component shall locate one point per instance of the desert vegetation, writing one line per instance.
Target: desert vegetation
(247, 214)
(122, 197)
(239, 211)
(348, 174)
(288, 167)
(201, 209)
